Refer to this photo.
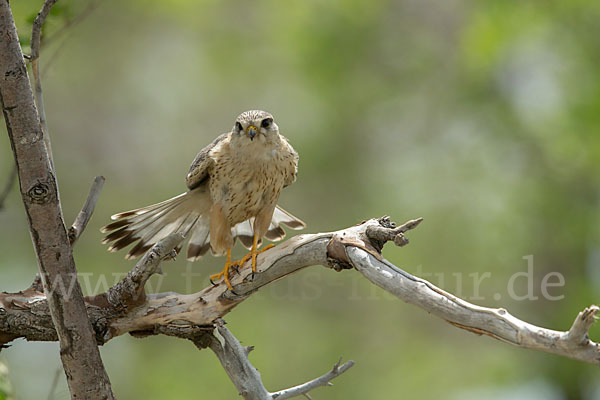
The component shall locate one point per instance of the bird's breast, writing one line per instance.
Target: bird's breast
(244, 187)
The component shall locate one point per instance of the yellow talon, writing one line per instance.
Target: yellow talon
(231, 264)
(267, 247)
(225, 273)
(252, 254)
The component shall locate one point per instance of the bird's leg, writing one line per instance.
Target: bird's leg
(225, 272)
(253, 253)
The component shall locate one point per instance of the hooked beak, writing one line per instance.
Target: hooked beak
(251, 130)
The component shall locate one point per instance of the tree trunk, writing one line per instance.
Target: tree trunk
(79, 353)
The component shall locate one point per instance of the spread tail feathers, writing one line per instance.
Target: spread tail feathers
(187, 213)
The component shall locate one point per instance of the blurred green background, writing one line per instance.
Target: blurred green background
(481, 116)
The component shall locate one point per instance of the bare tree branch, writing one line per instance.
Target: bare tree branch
(323, 380)
(79, 353)
(36, 38)
(352, 246)
(36, 32)
(12, 176)
(92, 5)
(494, 322)
(86, 212)
(130, 290)
(246, 378)
(234, 359)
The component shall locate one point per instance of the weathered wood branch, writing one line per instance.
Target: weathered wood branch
(245, 377)
(323, 380)
(86, 212)
(79, 353)
(234, 359)
(129, 292)
(186, 315)
(36, 41)
(36, 31)
(494, 322)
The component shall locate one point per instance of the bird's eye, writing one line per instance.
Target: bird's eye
(238, 126)
(266, 123)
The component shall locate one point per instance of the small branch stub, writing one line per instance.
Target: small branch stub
(578, 334)
(130, 290)
(86, 212)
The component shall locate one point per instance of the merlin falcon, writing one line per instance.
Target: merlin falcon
(233, 187)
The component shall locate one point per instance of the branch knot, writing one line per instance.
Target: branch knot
(40, 193)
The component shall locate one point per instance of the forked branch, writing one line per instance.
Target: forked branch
(194, 316)
(234, 359)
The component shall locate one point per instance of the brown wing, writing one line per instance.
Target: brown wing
(200, 166)
(292, 165)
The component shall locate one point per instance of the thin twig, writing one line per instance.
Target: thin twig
(246, 378)
(36, 38)
(64, 29)
(36, 32)
(73, 21)
(8, 185)
(86, 212)
(39, 102)
(323, 380)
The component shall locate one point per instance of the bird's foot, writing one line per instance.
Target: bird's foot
(224, 274)
(252, 255)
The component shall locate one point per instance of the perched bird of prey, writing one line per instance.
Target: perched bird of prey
(233, 187)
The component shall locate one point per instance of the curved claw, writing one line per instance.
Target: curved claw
(237, 265)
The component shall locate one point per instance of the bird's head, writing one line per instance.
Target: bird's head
(255, 125)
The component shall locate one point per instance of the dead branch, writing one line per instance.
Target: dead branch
(36, 39)
(184, 315)
(246, 378)
(129, 292)
(86, 212)
(234, 359)
(493, 322)
(79, 353)
(323, 380)
(36, 32)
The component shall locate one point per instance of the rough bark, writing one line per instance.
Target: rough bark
(358, 247)
(79, 353)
